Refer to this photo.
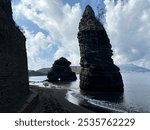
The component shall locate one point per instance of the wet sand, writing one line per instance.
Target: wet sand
(53, 101)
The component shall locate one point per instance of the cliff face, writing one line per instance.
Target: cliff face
(98, 71)
(6, 10)
(14, 86)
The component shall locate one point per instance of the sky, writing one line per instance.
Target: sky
(51, 28)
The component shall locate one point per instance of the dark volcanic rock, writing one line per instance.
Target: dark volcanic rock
(61, 71)
(14, 86)
(98, 71)
(6, 11)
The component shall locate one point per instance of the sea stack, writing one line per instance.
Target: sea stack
(14, 86)
(98, 72)
(61, 71)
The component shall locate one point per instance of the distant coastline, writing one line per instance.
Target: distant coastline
(123, 68)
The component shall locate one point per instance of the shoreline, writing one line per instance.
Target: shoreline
(53, 101)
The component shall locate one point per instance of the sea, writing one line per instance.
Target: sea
(135, 98)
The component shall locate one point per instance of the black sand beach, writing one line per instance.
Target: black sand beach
(53, 101)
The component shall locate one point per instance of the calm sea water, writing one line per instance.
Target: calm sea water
(136, 96)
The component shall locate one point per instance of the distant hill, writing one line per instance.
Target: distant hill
(76, 69)
(132, 68)
(123, 68)
(35, 73)
(44, 70)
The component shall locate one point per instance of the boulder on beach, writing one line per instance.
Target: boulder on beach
(61, 71)
(98, 72)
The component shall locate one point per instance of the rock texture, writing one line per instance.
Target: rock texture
(98, 71)
(61, 71)
(14, 86)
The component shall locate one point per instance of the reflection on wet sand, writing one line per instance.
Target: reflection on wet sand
(116, 97)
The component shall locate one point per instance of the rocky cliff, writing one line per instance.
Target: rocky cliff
(14, 86)
(98, 71)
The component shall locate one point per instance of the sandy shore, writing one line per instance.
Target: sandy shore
(53, 101)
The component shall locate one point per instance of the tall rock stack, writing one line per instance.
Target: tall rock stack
(14, 87)
(98, 71)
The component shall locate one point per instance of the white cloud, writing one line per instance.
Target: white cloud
(38, 63)
(128, 26)
(58, 19)
(35, 43)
